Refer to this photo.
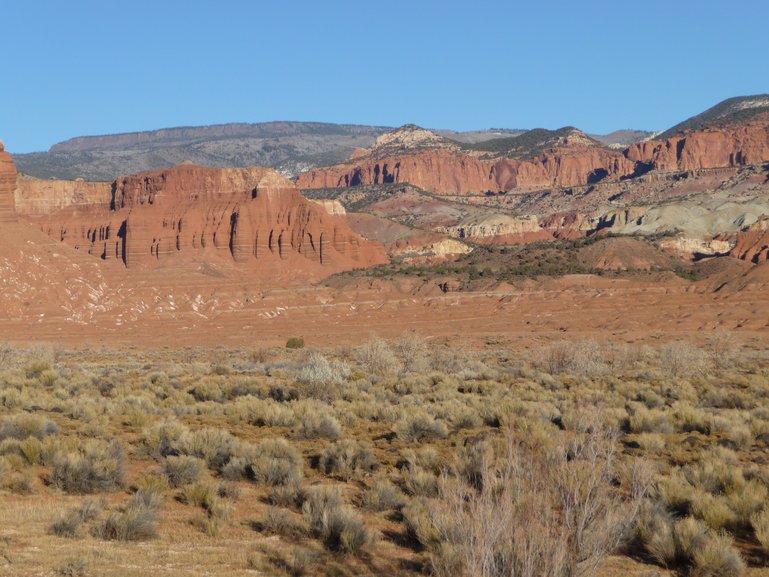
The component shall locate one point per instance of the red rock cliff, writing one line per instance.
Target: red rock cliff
(450, 172)
(253, 216)
(734, 145)
(36, 196)
(752, 244)
(7, 185)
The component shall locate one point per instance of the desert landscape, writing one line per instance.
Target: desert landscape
(528, 355)
(362, 346)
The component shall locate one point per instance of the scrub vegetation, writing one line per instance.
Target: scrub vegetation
(407, 457)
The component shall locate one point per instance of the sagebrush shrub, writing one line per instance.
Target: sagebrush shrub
(272, 462)
(343, 458)
(183, 469)
(336, 525)
(417, 426)
(383, 496)
(96, 467)
(24, 425)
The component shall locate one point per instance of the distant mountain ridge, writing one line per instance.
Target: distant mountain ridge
(289, 147)
(188, 134)
(729, 111)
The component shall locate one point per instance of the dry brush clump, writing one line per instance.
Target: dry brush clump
(69, 523)
(337, 525)
(137, 521)
(346, 457)
(539, 510)
(96, 467)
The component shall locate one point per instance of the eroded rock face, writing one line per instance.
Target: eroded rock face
(36, 196)
(7, 185)
(450, 172)
(252, 216)
(735, 145)
(752, 244)
(499, 225)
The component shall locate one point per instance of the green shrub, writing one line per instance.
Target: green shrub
(295, 343)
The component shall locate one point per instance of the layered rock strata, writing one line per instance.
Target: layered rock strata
(450, 172)
(7, 186)
(252, 216)
(752, 244)
(717, 147)
(36, 196)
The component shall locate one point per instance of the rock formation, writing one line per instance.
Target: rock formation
(436, 164)
(526, 228)
(714, 147)
(752, 244)
(36, 196)
(251, 216)
(7, 185)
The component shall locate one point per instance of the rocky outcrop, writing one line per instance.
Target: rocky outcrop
(7, 185)
(752, 244)
(36, 196)
(331, 206)
(568, 225)
(496, 225)
(252, 216)
(716, 147)
(450, 172)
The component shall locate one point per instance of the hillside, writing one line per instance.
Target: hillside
(730, 111)
(532, 142)
(622, 138)
(289, 147)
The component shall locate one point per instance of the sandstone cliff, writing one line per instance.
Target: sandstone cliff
(715, 147)
(501, 225)
(451, 172)
(251, 216)
(36, 196)
(752, 244)
(7, 185)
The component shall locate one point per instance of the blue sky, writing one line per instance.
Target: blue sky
(99, 67)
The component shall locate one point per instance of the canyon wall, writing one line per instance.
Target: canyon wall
(7, 185)
(36, 196)
(449, 172)
(752, 244)
(251, 216)
(733, 145)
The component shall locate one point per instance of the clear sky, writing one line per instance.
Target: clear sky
(105, 66)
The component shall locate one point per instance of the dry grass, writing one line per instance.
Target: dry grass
(220, 465)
